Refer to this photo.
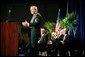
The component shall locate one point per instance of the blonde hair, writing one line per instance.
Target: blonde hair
(53, 34)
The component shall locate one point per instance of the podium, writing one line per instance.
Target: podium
(9, 38)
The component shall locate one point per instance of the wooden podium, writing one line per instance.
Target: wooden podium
(9, 38)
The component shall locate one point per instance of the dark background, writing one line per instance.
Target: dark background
(20, 10)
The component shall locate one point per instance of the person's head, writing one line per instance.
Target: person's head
(54, 34)
(42, 31)
(33, 10)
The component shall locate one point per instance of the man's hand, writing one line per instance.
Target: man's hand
(25, 24)
(49, 42)
(38, 42)
(62, 42)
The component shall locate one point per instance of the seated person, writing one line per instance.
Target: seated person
(62, 39)
(42, 42)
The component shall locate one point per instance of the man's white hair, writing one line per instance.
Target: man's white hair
(35, 7)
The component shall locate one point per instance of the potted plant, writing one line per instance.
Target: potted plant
(69, 21)
(49, 26)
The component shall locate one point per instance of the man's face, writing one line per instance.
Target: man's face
(32, 10)
(42, 31)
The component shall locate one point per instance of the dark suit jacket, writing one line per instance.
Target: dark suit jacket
(35, 26)
(43, 39)
(43, 42)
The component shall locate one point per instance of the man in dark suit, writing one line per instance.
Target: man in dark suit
(35, 25)
(42, 42)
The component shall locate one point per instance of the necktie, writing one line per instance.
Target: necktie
(32, 19)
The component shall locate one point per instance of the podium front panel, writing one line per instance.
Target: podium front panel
(9, 38)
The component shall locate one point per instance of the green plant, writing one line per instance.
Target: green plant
(69, 21)
(49, 26)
